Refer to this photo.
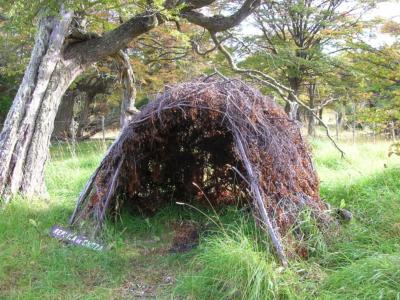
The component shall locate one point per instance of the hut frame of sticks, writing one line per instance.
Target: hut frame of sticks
(212, 139)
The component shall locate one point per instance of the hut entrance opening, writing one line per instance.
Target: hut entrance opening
(182, 157)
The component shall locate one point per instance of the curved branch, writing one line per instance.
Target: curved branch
(274, 84)
(111, 42)
(221, 23)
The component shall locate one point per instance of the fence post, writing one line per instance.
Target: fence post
(103, 129)
(73, 137)
(337, 126)
(374, 132)
(393, 132)
(354, 123)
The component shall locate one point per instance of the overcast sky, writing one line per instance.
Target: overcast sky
(389, 10)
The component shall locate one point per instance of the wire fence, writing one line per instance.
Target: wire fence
(67, 133)
(348, 133)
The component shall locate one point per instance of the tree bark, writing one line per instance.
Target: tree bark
(128, 108)
(65, 114)
(320, 114)
(292, 110)
(26, 134)
(84, 114)
(311, 104)
(393, 131)
(292, 107)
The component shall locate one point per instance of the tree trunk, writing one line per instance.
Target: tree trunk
(292, 111)
(26, 134)
(292, 107)
(311, 104)
(393, 131)
(340, 119)
(84, 115)
(65, 114)
(320, 114)
(89, 89)
(128, 108)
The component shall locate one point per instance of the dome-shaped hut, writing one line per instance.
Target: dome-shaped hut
(213, 140)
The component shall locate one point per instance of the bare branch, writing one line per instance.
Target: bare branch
(325, 103)
(274, 84)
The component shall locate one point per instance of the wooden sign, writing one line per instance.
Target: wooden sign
(72, 238)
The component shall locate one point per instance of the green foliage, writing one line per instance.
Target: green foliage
(375, 80)
(22, 13)
(7, 92)
(142, 101)
(5, 104)
(164, 57)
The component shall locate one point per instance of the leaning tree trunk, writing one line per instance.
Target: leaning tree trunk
(128, 108)
(25, 138)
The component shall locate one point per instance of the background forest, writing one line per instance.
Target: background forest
(333, 65)
(335, 56)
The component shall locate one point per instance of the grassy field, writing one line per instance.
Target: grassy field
(233, 261)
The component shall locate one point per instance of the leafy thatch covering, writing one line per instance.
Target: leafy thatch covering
(209, 140)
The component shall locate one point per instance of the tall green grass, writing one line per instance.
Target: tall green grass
(236, 264)
(233, 261)
(35, 266)
(373, 277)
(360, 262)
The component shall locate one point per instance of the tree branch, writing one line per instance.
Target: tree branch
(274, 84)
(324, 103)
(220, 23)
(92, 50)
